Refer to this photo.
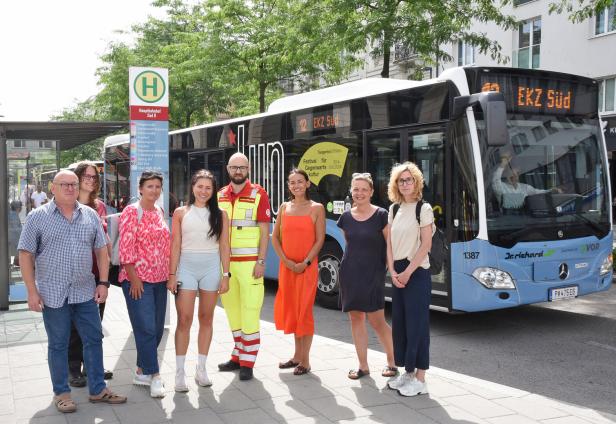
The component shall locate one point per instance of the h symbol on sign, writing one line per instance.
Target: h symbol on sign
(153, 86)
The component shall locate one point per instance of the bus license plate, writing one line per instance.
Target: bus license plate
(563, 293)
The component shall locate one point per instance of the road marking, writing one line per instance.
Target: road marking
(601, 345)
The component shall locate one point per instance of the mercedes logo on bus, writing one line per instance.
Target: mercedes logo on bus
(563, 271)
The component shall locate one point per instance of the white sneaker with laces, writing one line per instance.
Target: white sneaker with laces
(157, 388)
(413, 388)
(201, 378)
(398, 381)
(180, 382)
(142, 379)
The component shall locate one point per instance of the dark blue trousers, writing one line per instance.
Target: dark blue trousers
(410, 319)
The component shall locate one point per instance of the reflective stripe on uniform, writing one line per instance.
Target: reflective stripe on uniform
(244, 223)
(244, 250)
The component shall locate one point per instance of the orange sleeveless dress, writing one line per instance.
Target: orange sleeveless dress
(296, 292)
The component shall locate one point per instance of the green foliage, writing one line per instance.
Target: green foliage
(579, 10)
(422, 26)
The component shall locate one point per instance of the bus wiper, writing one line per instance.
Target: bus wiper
(519, 233)
(596, 227)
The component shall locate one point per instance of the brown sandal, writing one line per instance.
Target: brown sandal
(357, 374)
(109, 397)
(288, 364)
(389, 371)
(66, 405)
(301, 370)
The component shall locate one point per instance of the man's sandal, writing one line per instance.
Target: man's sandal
(301, 370)
(357, 374)
(107, 396)
(389, 371)
(65, 405)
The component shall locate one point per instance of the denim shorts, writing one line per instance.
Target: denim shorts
(199, 271)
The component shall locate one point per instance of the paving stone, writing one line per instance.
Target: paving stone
(286, 408)
(38, 387)
(250, 416)
(337, 408)
(479, 406)
(513, 419)
(7, 404)
(530, 409)
(366, 396)
(195, 416)
(449, 414)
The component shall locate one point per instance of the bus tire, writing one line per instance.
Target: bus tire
(328, 286)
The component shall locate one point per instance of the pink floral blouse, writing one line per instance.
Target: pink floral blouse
(146, 245)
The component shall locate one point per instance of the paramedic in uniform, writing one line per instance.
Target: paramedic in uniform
(247, 205)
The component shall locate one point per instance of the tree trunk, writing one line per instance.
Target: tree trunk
(262, 87)
(385, 70)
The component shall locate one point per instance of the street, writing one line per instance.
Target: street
(565, 351)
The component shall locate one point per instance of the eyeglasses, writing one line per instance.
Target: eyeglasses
(66, 186)
(234, 168)
(361, 175)
(89, 177)
(406, 181)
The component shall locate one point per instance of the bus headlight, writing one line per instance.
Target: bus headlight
(493, 278)
(607, 264)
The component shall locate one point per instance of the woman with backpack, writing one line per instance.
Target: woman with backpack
(408, 248)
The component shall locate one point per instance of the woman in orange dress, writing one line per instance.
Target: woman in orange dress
(299, 233)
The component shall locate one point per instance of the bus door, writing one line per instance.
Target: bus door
(426, 147)
(214, 161)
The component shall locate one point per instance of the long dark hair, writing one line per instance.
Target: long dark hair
(80, 170)
(303, 174)
(212, 204)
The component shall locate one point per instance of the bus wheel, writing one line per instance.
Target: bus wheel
(329, 273)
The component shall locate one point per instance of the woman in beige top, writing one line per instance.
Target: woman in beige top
(408, 249)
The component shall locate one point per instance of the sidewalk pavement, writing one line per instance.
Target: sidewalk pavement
(325, 395)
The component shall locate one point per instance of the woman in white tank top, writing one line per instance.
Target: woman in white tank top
(199, 243)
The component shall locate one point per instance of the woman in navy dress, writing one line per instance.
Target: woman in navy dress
(362, 273)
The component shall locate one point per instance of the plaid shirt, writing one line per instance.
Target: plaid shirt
(63, 252)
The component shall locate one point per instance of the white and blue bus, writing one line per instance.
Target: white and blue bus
(505, 249)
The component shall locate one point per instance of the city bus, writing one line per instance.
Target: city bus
(472, 131)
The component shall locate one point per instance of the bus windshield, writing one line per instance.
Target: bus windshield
(549, 181)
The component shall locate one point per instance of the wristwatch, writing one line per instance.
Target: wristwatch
(261, 261)
(226, 274)
(103, 283)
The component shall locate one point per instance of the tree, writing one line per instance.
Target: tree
(579, 10)
(264, 42)
(422, 26)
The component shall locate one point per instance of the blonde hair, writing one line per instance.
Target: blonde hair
(362, 176)
(392, 188)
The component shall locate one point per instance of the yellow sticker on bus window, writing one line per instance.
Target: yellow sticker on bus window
(323, 159)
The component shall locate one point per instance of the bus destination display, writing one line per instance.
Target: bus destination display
(317, 121)
(523, 94)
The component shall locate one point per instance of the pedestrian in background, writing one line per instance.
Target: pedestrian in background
(362, 272)
(89, 186)
(14, 231)
(408, 250)
(297, 238)
(144, 255)
(200, 239)
(247, 206)
(59, 238)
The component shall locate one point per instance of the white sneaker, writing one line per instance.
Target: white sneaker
(157, 388)
(142, 379)
(180, 382)
(395, 383)
(413, 388)
(201, 378)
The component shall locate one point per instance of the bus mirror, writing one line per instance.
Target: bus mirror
(492, 104)
(495, 116)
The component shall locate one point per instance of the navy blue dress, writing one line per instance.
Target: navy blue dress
(362, 270)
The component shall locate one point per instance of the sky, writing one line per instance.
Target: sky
(49, 51)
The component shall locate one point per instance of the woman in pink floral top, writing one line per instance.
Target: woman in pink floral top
(144, 254)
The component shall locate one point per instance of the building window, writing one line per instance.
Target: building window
(607, 95)
(605, 20)
(44, 144)
(19, 144)
(466, 54)
(529, 44)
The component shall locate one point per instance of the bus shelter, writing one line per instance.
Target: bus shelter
(29, 158)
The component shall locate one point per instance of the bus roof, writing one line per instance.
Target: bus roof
(115, 140)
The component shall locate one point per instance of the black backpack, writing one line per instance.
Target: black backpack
(438, 251)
